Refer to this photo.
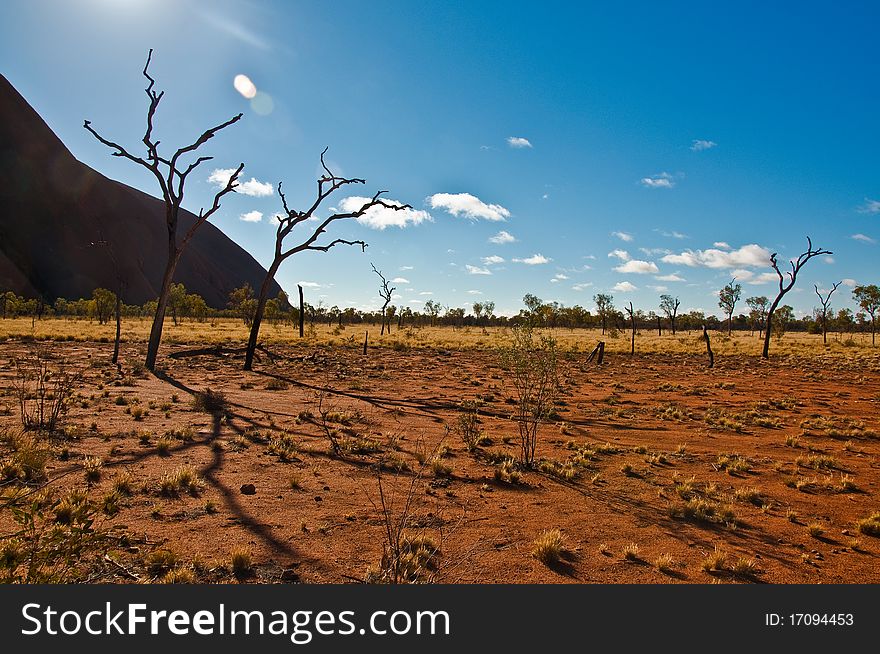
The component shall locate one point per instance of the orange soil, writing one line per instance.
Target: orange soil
(330, 531)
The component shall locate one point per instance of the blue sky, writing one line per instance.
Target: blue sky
(636, 149)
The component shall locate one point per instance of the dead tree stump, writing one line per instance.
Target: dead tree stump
(598, 350)
(366, 336)
(708, 348)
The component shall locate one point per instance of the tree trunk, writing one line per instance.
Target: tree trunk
(729, 323)
(258, 315)
(673, 324)
(768, 327)
(302, 313)
(708, 348)
(633, 342)
(161, 307)
(118, 328)
(824, 330)
(659, 327)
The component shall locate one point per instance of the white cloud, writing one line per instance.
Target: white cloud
(747, 255)
(251, 217)
(254, 188)
(492, 259)
(405, 268)
(698, 145)
(637, 266)
(663, 180)
(219, 177)
(659, 288)
(380, 217)
(870, 206)
(829, 260)
(400, 280)
(763, 278)
(474, 270)
(849, 282)
(653, 252)
(582, 286)
(560, 276)
(623, 255)
(426, 293)
(864, 238)
(310, 284)
(502, 237)
(518, 142)
(721, 245)
(673, 234)
(534, 260)
(469, 206)
(624, 287)
(623, 236)
(475, 292)
(669, 278)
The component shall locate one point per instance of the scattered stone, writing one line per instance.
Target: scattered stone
(318, 498)
(248, 489)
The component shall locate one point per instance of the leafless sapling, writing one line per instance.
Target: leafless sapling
(825, 301)
(328, 184)
(120, 287)
(385, 292)
(785, 287)
(632, 322)
(532, 367)
(172, 180)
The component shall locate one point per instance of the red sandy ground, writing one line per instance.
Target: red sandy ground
(330, 531)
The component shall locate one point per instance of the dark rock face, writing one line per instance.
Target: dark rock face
(52, 206)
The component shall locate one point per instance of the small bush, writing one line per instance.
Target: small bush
(241, 563)
(208, 401)
(631, 552)
(92, 466)
(184, 478)
(549, 547)
(870, 526)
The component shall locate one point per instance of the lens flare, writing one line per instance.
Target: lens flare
(245, 86)
(263, 104)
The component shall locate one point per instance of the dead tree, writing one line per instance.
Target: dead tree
(328, 184)
(708, 347)
(784, 287)
(632, 320)
(385, 292)
(825, 302)
(172, 179)
(302, 312)
(669, 305)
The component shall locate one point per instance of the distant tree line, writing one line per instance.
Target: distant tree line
(242, 304)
